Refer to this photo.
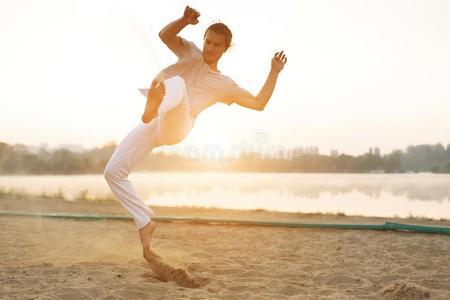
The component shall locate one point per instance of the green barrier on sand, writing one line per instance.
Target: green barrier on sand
(417, 228)
(385, 226)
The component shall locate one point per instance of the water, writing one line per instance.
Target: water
(383, 195)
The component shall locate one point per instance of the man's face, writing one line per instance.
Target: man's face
(213, 46)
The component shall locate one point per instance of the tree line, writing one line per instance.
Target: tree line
(17, 159)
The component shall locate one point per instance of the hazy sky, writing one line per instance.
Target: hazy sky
(360, 73)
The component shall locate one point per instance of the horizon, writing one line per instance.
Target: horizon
(359, 74)
(244, 149)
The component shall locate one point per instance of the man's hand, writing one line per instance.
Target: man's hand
(278, 61)
(190, 15)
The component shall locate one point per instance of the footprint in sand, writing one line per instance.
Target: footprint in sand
(404, 290)
(166, 272)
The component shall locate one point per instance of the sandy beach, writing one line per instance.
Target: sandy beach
(46, 258)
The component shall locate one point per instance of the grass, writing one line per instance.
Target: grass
(84, 195)
(418, 217)
(18, 193)
(57, 195)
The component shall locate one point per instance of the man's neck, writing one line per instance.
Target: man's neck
(213, 66)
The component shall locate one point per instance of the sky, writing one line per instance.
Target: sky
(360, 73)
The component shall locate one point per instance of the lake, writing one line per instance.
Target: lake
(383, 195)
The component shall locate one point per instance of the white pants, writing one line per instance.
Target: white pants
(172, 124)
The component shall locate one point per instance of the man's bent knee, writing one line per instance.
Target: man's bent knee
(109, 173)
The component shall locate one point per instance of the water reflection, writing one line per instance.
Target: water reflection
(412, 186)
(366, 194)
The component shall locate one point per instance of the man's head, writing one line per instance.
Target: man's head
(216, 41)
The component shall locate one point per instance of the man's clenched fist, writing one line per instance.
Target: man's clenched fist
(191, 15)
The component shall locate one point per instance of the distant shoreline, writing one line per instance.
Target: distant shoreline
(54, 203)
(17, 159)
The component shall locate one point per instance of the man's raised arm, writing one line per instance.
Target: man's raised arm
(169, 34)
(260, 101)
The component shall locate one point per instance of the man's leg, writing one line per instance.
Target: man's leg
(133, 148)
(174, 121)
(137, 144)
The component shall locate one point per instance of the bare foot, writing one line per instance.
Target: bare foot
(154, 98)
(146, 234)
(151, 256)
(151, 230)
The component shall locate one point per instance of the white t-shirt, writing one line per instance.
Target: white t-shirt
(205, 86)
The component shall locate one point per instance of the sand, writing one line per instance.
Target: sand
(45, 258)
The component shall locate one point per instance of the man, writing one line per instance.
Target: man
(176, 97)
